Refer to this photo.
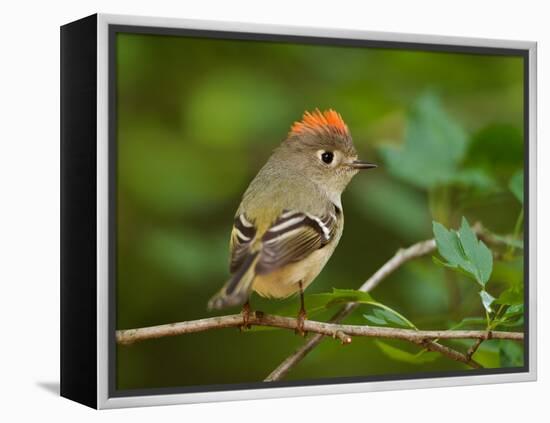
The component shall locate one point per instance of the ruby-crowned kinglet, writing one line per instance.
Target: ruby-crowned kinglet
(290, 218)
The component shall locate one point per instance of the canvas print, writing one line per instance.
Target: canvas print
(294, 212)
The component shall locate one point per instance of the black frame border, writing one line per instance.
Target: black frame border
(114, 29)
(78, 211)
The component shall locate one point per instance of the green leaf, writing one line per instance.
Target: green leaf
(448, 245)
(382, 315)
(513, 311)
(476, 252)
(509, 323)
(516, 185)
(434, 146)
(387, 317)
(317, 302)
(405, 356)
(486, 299)
(454, 267)
(440, 262)
(513, 317)
(464, 251)
(391, 317)
(375, 320)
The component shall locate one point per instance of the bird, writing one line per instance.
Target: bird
(290, 218)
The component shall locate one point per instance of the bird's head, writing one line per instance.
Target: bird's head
(321, 147)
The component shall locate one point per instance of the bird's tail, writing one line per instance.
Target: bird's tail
(237, 289)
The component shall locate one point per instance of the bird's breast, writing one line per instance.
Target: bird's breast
(284, 282)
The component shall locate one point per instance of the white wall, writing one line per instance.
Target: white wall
(29, 170)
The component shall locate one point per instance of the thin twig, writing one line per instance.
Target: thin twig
(130, 336)
(452, 354)
(343, 337)
(472, 350)
(401, 256)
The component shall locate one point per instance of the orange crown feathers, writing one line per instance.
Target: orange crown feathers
(317, 120)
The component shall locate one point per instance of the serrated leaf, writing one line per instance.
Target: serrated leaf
(486, 299)
(455, 267)
(448, 245)
(516, 185)
(463, 250)
(405, 356)
(479, 257)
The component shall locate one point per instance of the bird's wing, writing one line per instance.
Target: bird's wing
(242, 235)
(293, 237)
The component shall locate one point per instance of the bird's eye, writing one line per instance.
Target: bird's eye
(327, 157)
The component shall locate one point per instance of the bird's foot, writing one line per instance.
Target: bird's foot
(302, 316)
(246, 317)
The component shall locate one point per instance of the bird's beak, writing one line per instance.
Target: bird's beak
(360, 164)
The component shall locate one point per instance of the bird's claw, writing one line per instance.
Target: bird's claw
(246, 317)
(302, 316)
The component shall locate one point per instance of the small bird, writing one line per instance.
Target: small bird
(290, 218)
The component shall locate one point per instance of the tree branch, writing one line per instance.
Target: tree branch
(452, 354)
(426, 339)
(130, 336)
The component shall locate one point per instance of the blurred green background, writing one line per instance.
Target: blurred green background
(197, 118)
